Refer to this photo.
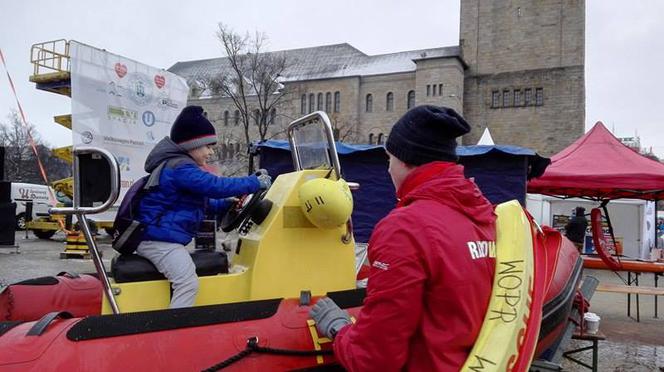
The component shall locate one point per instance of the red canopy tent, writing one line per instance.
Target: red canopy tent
(599, 167)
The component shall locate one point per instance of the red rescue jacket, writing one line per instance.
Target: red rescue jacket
(432, 265)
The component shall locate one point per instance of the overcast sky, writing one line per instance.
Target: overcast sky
(624, 44)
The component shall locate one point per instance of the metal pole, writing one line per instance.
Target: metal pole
(99, 264)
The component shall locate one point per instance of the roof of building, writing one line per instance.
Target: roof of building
(325, 62)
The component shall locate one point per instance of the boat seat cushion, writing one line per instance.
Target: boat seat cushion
(134, 268)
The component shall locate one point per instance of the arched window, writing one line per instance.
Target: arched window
(312, 103)
(328, 102)
(371, 138)
(380, 139)
(273, 115)
(222, 151)
(389, 104)
(231, 151)
(257, 116)
(236, 118)
(303, 104)
(337, 101)
(226, 118)
(237, 148)
(369, 103)
(411, 99)
(319, 104)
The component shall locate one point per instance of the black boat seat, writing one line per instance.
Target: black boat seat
(134, 268)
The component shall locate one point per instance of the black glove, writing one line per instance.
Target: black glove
(329, 317)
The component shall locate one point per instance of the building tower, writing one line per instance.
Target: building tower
(525, 79)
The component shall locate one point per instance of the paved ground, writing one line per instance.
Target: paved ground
(630, 346)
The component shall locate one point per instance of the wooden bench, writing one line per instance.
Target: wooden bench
(632, 289)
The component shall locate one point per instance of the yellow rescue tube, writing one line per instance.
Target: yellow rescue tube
(498, 343)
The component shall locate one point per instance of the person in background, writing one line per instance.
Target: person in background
(432, 258)
(575, 229)
(176, 205)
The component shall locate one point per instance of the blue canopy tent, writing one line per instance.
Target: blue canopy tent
(500, 172)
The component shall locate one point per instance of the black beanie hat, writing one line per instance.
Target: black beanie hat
(426, 133)
(192, 129)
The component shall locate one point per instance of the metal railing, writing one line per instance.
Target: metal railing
(50, 56)
(81, 211)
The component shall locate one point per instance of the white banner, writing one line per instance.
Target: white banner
(123, 106)
(649, 226)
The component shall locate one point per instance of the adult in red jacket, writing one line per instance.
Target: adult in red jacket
(432, 259)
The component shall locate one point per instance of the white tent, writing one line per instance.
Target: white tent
(486, 138)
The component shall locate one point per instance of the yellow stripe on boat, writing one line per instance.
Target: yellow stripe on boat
(497, 346)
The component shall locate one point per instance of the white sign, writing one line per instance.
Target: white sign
(649, 226)
(122, 105)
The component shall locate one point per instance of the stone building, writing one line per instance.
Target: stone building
(518, 70)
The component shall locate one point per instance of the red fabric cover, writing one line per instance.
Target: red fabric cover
(427, 295)
(80, 296)
(598, 165)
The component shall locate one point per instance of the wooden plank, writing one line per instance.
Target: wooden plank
(621, 288)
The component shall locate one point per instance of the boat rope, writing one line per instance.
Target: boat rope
(252, 347)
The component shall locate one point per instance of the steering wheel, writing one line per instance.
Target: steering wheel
(241, 211)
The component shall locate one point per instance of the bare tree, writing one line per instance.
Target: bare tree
(20, 161)
(252, 80)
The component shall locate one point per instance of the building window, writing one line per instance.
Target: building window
(328, 102)
(337, 101)
(527, 98)
(236, 118)
(434, 90)
(303, 104)
(312, 103)
(273, 115)
(517, 97)
(495, 98)
(257, 116)
(226, 118)
(411, 99)
(371, 138)
(389, 104)
(428, 90)
(237, 147)
(539, 96)
(380, 139)
(319, 105)
(440, 89)
(369, 103)
(506, 98)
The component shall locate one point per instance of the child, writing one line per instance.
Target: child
(181, 196)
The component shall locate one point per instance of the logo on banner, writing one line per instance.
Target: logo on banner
(121, 115)
(86, 137)
(148, 118)
(113, 89)
(166, 103)
(120, 70)
(123, 163)
(159, 81)
(140, 90)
